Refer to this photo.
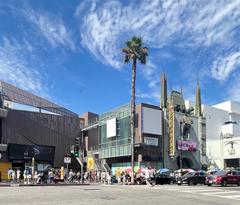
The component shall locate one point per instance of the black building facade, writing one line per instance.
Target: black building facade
(45, 134)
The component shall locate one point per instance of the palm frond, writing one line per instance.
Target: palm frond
(135, 50)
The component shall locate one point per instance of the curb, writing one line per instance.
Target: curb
(38, 185)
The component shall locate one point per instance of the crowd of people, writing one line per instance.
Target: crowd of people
(28, 176)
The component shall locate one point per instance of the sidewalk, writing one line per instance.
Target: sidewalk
(7, 184)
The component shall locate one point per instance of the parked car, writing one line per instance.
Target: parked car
(192, 178)
(164, 179)
(224, 178)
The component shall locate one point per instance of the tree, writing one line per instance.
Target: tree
(134, 52)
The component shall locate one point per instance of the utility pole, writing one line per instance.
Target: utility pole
(180, 154)
(81, 156)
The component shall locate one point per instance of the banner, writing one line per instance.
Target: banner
(187, 145)
(171, 133)
(90, 163)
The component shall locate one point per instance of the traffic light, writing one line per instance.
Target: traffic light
(75, 151)
(77, 141)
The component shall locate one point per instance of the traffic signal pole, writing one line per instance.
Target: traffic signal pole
(79, 153)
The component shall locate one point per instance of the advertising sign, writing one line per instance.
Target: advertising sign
(151, 121)
(27, 152)
(111, 128)
(90, 163)
(67, 160)
(151, 141)
(187, 145)
(171, 133)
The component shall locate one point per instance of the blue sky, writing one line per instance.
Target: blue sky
(70, 51)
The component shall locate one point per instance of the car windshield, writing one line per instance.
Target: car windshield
(220, 173)
(189, 174)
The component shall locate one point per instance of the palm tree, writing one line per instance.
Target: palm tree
(134, 52)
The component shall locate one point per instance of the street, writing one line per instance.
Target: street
(119, 194)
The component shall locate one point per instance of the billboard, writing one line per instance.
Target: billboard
(151, 121)
(111, 128)
(153, 141)
(186, 145)
(90, 163)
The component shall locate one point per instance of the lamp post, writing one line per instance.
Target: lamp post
(180, 154)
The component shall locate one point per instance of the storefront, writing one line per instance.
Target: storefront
(21, 156)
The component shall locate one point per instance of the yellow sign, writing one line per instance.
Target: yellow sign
(171, 133)
(90, 163)
(62, 173)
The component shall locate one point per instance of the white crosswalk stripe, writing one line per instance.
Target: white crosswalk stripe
(207, 191)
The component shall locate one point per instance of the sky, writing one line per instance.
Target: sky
(70, 52)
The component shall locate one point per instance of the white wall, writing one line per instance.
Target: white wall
(215, 119)
(223, 106)
(229, 106)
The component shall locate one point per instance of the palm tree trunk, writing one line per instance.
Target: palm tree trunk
(133, 116)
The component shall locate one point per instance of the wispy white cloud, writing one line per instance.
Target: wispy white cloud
(15, 67)
(184, 25)
(52, 28)
(233, 89)
(210, 29)
(224, 65)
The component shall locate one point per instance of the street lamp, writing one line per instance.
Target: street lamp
(180, 154)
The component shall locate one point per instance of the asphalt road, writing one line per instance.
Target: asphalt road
(120, 194)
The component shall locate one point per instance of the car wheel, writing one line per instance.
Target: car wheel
(238, 183)
(190, 183)
(171, 182)
(224, 183)
(209, 184)
(179, 184)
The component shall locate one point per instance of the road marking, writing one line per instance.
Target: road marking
(176, 189)
(234, 197)
(201, 190)
(217, 192)
(220, 192)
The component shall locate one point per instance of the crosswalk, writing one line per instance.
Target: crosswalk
(220, 192)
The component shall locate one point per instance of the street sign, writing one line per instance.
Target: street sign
(67, 160)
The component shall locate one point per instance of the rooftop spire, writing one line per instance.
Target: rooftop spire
(163, 91)
(198, 103)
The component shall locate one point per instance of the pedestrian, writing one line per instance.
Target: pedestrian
(9, 175)
(35, 177)
(29, 177)
(124, 178)
(98, 176)
(13, 176)
(103, 177)
(79, 177)
(147, 177)
(70, 176)
(50, 176)
(25, 173)
(18, 175)
(109, 178)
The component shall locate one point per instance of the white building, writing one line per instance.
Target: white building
(222, 133)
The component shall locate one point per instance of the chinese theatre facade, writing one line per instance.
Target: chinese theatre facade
(184, 130)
